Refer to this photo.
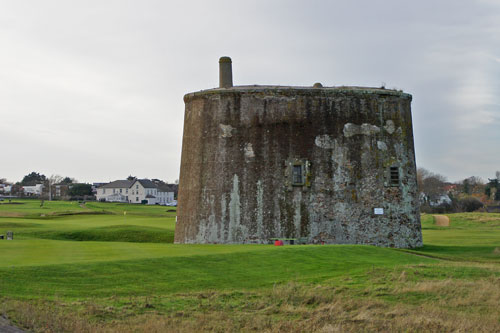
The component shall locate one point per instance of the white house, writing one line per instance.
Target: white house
(143, 190)
(165, 194)
(33, 190)
(117, 191)
(5, 189)
(136, 191)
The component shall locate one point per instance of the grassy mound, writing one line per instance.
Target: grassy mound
(18, 225)
(114, 233)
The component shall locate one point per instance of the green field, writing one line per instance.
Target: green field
(93, 267)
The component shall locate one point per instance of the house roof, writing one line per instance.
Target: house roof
(166, 187)
(118, 184)
(146, 183)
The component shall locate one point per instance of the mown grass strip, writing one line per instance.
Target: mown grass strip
(199, 272)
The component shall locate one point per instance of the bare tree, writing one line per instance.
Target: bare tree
(430, 184)
(422, 173)
(54, 179)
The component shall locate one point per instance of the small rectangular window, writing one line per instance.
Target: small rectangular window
(297, 175)
(394, 176)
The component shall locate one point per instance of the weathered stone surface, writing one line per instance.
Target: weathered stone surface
(240, 144)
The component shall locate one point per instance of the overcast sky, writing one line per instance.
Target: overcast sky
(94, 89)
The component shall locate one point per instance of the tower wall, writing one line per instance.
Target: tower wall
(333, 165)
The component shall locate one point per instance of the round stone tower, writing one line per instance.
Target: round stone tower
(304, 164)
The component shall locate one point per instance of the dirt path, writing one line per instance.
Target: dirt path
(6, 327)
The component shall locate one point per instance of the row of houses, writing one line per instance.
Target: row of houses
(5, 188)
(34, 190)
(58, 191)
(137, 191)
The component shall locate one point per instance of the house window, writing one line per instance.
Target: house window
(136, 198)
(120, 190)
(394, 176)
(136, 187)
(103, 191)
(113, 190)
(126, 190)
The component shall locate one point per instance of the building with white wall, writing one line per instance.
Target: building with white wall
(5, 188)
(33, 190)
(143, 190)
(117, 191)
(165, 194)
(136, 191)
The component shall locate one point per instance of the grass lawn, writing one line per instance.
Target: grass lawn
(90, 267)
(470, 237)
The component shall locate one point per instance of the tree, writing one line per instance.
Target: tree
(131, 178)
(472, 185)
(16, 189)
(421, 174)
(466, 186)
(79, 190)
(33, 179)
(67, 181)
(493, 186)
(432, 185)
(54, 179)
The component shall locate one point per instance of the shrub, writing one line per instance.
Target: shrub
(470, 204)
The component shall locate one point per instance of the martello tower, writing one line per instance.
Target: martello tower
(325, 164)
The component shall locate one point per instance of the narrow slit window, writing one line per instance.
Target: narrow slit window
(394, 176)
(297, 177)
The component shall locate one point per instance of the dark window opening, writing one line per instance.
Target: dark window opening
(297, 178)
(394, 176)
